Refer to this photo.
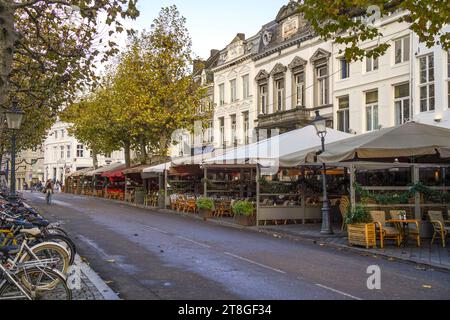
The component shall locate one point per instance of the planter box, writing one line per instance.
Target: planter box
(362, 235)
(205, 214)
(246, 221)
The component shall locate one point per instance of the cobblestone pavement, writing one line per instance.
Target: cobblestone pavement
(88, 291)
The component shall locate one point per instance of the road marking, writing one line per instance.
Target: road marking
(157, 229)
(254, 262)
(337, 291)
(193, 241)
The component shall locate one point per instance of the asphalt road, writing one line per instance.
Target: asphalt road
(154, 255)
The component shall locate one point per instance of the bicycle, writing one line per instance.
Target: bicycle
(32, 280)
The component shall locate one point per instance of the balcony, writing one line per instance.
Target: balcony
(285, 120)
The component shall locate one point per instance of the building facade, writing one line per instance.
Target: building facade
(294, 73)
(29, 168)
(64, 154)
(234, 93)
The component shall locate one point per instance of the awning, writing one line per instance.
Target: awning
(135, 170)
(408, 140)
(155, 171)
(79, 173)
(115, 173)
(101, 170)
(277, 151)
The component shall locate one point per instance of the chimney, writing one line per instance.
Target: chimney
(214, 52)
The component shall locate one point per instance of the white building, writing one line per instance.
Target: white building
(234, 93)
(64, 154)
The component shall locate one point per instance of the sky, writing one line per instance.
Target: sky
(213, 24)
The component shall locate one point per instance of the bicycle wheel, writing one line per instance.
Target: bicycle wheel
(64, 241)
(50, 250)
(55, 230)
(36, 282)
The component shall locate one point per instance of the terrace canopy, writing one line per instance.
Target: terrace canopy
(79, 173)
(115, 173)
(274, 150)
(104, 169)
(408, 140)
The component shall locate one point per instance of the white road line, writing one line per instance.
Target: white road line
(193, 241)
(254, 262)
(157, 229)
(337, 291)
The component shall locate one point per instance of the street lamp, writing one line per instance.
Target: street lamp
(320, 123)
(14, 120)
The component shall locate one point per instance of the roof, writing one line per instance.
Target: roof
(80, 173)
(101, 170)
(135, 169)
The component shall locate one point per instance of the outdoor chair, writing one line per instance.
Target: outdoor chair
(190, 206)
(385, 232)
(224, 209)
(413, 228)
(440, 229)
(343, 207)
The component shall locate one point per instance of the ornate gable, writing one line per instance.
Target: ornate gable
(297, 62)
(279, 68)
(262, 75)
(287, 10)
(320, 54)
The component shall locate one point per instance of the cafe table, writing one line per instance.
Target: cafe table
(404, 223)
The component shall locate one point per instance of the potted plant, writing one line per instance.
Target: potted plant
(244, 213)
(205, 207)
(361, 229)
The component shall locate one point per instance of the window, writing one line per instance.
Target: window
(345, 68)
(62, 151)
(233, 90)
(222, 131)
(427, 102)
(371, 64)
(221, 94)
(299, 94)
(343, 114)
(56, 134)
(68, 151)
(62, 133)
(246, 127)
(209, 132)
(246, 86)
(402, 104)
(402, 50)
(279, 94)
(372, 110)
(322, 85)
(55, 153)
(233, 130)
(80, 151)
(263, 99)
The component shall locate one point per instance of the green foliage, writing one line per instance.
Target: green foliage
(403, 197)
(243, 208)
(348, 22)
(205, 203)
(358, 214)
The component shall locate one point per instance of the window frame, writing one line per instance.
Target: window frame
(221, 94)
(428, 84)
(323, 85)
(345, 113)
(246, 86)
(402, 100)
(233, 90)
(372, 106)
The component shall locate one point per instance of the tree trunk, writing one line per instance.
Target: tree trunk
(7, 39)
(95, 158)
(127, 151)
(163, 146)
(143, 150)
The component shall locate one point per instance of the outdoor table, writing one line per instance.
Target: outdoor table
(405, 230)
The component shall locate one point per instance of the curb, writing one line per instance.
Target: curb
(106, 292)
(277, 234)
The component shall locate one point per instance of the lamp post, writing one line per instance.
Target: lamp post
(321, 127)
(14, 121)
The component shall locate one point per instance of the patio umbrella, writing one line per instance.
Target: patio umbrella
(408, 140)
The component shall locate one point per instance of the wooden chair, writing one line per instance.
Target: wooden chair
(440, 229)
(413, 228)
(385, 232)
(190, 206)
(224, 209)
(343, 208)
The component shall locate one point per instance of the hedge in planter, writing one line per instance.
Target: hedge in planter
(205, 207)
(361, 229)
(244, 213)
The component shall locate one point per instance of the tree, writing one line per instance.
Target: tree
(349, 22)
(48, 53)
